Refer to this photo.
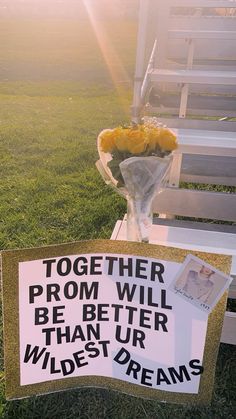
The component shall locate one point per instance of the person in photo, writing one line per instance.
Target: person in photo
(198, 285)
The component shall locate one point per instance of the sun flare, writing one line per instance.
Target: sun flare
(112, 60)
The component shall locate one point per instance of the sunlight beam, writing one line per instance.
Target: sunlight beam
(112, 60)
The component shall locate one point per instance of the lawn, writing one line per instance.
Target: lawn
(60, 84)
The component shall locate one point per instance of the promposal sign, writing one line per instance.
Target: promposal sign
(111, 319)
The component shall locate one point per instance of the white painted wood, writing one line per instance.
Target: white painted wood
(158, 110)
(193, 76)
(203, 3)
(162, 24)
(205, 29)
(201, 34)
(223, 126)
(142, 37)
(140, 59)
(232, 290)
(197, 204)
(183, 101)
(213, 170)
(191, 239)
(149, 69)
(175, 170)
(214, 143)
(233, 268)
(209, 165)
(229, 328)
(116, 230)
(185, 88)
(205, 23)
(166, 216)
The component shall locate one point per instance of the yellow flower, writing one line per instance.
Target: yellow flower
(167, 140)
(120, 138)
(107, 142)
(152, 137)
(136, 141)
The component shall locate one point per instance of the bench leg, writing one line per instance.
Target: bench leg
(174, 178)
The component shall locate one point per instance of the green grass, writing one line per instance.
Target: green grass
(50, 189)
(56, 94)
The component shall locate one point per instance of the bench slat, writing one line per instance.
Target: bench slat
(193, 76)
(217, 166)
(188, 34)
(213, 170)
(229, 328)
(187, 238)
(206, 142)
(203, 3)
(198, 204)
(222, 113)
(204, 22)
(210, 142)
(223, 127)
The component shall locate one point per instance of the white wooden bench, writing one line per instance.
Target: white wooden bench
(189, 82)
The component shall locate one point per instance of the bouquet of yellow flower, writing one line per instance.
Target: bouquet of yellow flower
(135, 141)
(134, 160)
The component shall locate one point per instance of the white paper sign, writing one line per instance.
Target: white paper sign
(108, 315)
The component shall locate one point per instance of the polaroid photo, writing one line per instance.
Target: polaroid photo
(200, 283)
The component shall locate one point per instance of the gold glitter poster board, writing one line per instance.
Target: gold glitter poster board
(20, 325)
